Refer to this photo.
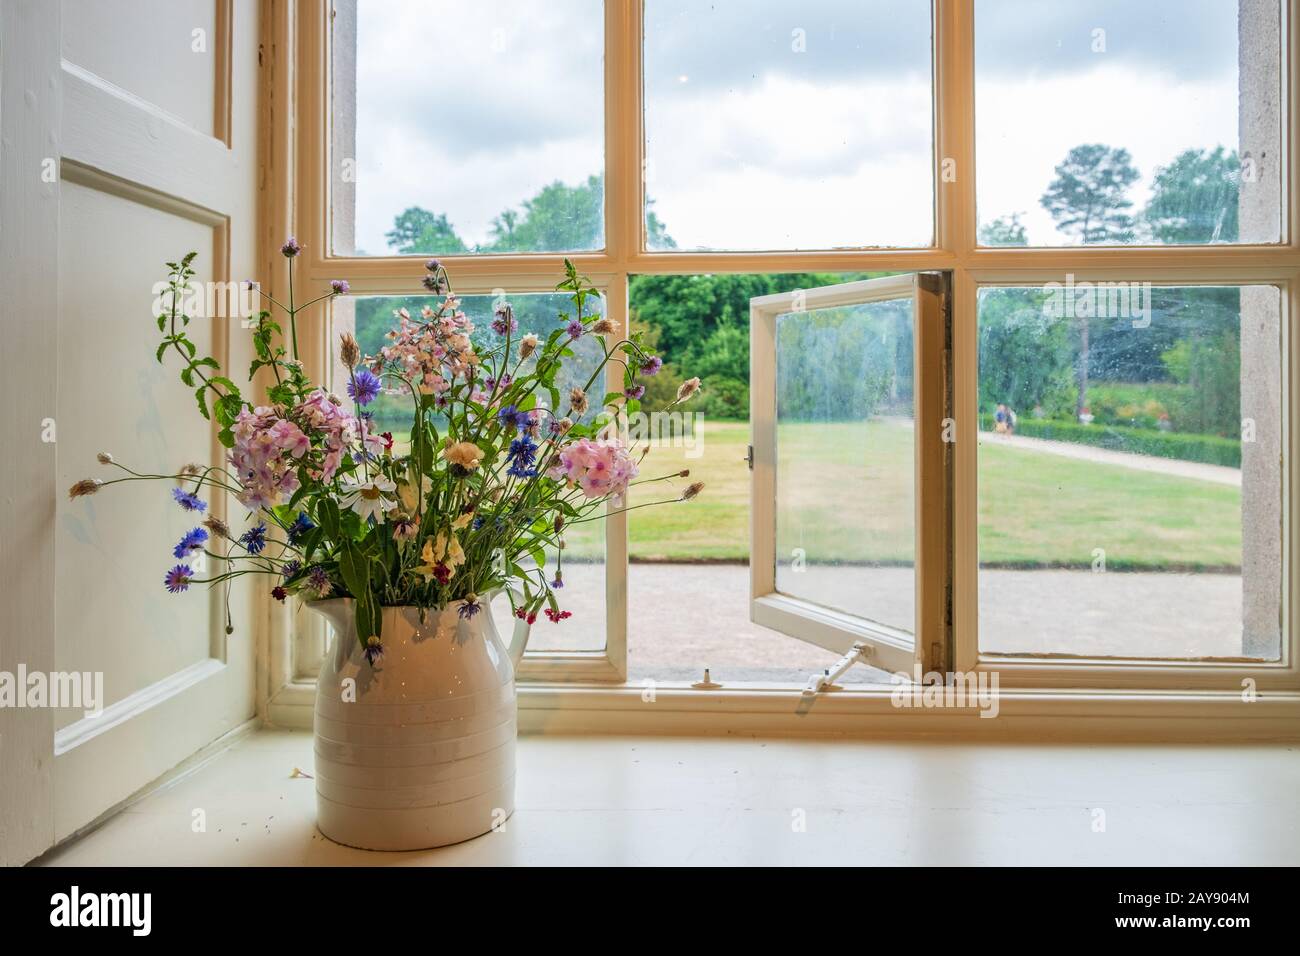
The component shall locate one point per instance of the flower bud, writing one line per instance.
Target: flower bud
(349, 350)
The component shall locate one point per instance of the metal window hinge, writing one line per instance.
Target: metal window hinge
(749, 456)
(858, 653)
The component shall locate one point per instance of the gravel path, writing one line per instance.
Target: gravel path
(685, 617)
(1219, 474)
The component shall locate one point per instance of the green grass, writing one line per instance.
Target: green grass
(850, 484)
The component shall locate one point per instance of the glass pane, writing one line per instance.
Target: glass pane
(771, 125)
(1112, 122)
(370, 318)
(1130, 479)
(688, 583)
(467, 127)
(845, 460)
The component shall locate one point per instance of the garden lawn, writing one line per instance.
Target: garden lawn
(850, 483)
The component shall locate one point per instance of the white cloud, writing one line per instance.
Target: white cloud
(1025, 127)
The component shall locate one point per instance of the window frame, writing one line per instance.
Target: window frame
(888, 647)
(298, 195)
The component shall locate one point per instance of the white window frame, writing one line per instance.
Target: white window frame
(927, 643)
(297, 159)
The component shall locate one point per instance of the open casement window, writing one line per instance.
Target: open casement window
(851, 427)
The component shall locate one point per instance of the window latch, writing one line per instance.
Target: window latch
(858, 653)
(749, 456)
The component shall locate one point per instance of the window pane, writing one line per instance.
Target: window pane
(370, 318)
(772, 125)
(1112, 122)
(845, 460)
(1130, 482)
(688, 583)
(467, 127)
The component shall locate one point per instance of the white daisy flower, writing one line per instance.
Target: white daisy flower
(368, 498)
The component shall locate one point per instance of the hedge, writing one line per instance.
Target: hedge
(1209, 449)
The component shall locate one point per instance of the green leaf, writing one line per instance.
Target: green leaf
(202, 395)
(226, 437)
(327, 514)
(355, 570)
(365, 621)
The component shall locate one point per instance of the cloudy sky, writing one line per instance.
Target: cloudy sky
(773, 123)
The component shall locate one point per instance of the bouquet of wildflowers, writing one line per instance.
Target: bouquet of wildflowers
(500, 460)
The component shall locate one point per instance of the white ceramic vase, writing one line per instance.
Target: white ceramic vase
(419, 750)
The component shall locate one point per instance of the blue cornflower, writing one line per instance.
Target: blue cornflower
(513, 416)
(290, 568)
(301, 525)
(522, 454)
(188, 500)
(363, 386)
(193, 541)
(469, 608)
(178, 578)
(254, 539)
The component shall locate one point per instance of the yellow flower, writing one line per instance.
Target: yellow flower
(460, 523)
(409, 496)
(443, 550)
(463, 453)
(448, 548)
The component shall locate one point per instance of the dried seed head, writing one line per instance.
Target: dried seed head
(527, 345)
(578, 400)
(104, 458)
(604, 326)
(86, 486)
(684, 473)
(191, 469)
(559, 523)
(218, 527)
(687, 389)
(349, 350)
(692, 490)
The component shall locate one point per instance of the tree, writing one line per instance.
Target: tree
(418, 232)
(560, 218)
(1004, 231)
(1088, 197)
(1194, 198)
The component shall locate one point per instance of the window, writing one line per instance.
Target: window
(1128, 479)
(463, 128)
(1113, 123)
(796, 116)
(1090, 503)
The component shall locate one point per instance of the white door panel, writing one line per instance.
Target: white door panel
(149, 117)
